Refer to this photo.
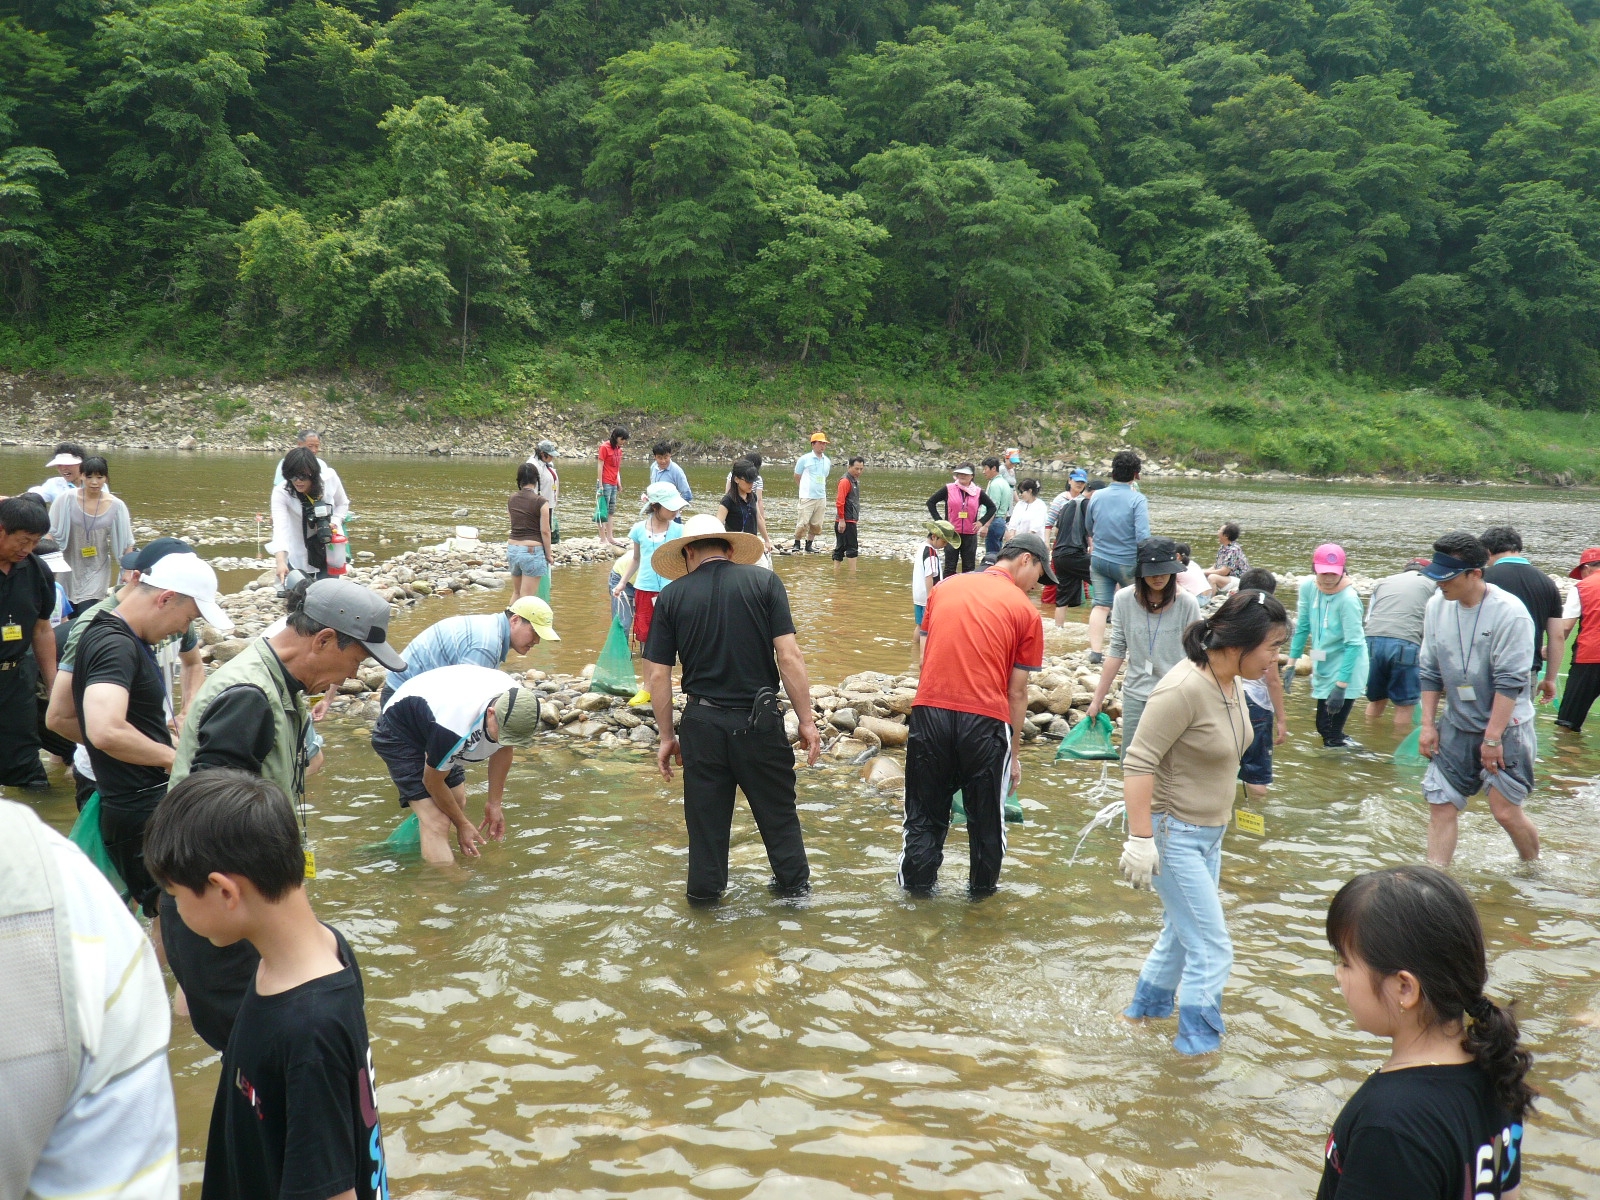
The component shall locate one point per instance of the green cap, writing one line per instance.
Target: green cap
(947, 531)
(517, 713)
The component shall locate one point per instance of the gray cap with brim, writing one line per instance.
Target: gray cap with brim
(354, 611)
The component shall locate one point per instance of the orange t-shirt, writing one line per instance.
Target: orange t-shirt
(979, 625)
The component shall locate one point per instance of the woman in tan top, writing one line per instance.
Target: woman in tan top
(1179, 779)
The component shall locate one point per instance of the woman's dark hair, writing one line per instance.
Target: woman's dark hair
(1029, 485)
(1245, 620)
(72, 448)
(1151, 600)
(95, 465)
(1231, 531)
(1125, 465)
(1501, 539)
(1416, 918)
(1258, 579)
(744, 469)
(528, 475)
(1184, 552)
(618, 436)
(754, 460)
(1463, 545)
(230, 822)
(301, 461)
(661, 447)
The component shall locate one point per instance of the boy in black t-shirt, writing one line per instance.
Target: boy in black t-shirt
(296, 1110)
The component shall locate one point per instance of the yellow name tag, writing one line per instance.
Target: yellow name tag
(311, 863)
(1249, 822)
(89, 551)
(11, 633)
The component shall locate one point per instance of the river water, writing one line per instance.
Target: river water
(554, 1021)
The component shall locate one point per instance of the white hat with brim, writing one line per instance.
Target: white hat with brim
(668, 560)
(65, 460)
(57, 562)
(666, 495)
(190, 575)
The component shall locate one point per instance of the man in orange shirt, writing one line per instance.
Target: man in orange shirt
(984, 637)
(847, 511)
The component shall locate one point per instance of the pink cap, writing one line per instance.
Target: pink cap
(1328, 559)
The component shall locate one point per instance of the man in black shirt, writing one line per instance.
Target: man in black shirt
(27, 643)
(728, 620)
(122, 703)
(1539, 595)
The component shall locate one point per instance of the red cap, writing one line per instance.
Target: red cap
(1591, 555)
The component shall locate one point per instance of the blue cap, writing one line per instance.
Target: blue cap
(1078, 475)
(1445, 567)
(143, 560)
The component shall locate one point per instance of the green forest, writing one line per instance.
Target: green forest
(1045, 191)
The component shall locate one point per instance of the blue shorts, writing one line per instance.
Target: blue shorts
(524, 561)
(1105, 577)
(1392, 671)
(917, 610)
(1256, 765)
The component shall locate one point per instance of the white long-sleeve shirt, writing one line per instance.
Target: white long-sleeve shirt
(287, 533)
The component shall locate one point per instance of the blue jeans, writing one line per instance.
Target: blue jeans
(1394, 673)
(1194, 954)
(524, 561)
(994, 539)
(1105, 577)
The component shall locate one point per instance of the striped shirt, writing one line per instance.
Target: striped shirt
(481, 640)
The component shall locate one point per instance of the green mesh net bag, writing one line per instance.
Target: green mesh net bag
(613, 670)
(1407, 754)
(85, 836)
(1013, 809)
(543, 590)
(1088, 739)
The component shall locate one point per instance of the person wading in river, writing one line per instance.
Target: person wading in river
(728, 621)
(968, 509)
(984, 639)
(847, 512)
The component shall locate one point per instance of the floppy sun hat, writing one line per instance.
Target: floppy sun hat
(668, 560)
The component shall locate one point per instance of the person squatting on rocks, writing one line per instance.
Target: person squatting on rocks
(968, 510)
(1328, 618)
(1231, 562)
(1475, 640)
(847, 511)
(811, 475)
(1147, 624)
(728, 621)
(1180, 776)
(252, 715)
(1116, 520)
(984, 640)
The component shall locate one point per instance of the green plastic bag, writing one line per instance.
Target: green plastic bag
(543, 590)
(1406, 753)
(555, 530)
(1088, 739)
(602, 510)
(613, 670)
(406, 837)
(85, 836)
(1013, 809)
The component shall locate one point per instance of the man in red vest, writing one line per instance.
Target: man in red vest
(1583, 679)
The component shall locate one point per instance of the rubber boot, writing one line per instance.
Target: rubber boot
(810, 549)
(1150, 1001)
(797, 545)
(1199, 1029)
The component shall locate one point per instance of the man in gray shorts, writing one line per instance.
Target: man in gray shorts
(1475, 656)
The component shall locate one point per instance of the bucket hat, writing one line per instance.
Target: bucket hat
(669, 562)
(1158, 556)
(947, 531)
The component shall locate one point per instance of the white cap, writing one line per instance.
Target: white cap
(57, 562)
(65, 460)
(192, 576)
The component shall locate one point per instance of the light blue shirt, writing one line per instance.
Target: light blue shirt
(813, 470)
(673, 475)
(647, 580)
(481, 640)
(1118, 519)
(52, 488)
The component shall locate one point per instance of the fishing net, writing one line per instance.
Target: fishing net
(613, 670)
(407, 836)
(543, 590)
(1088, 739)
(1407, 754)
(602, 510)
(85, 836)
(1013, 809)
(555, 530)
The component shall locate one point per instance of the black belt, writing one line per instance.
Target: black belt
(744, 707)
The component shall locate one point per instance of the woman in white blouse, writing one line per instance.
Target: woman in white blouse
(1029, 513)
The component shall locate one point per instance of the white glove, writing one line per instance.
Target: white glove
(1139, 860)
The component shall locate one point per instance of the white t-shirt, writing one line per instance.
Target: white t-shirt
(118, 1136)
(443, 710)
(926, 571)
(1256, 690)
(1193, 580)
(1572, 606)
(1028, 517)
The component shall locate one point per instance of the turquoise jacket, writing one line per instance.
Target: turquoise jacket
(1332, 624)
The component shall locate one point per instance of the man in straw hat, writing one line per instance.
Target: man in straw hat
(811, 473)
(728, 621)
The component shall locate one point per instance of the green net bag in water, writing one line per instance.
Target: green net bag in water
(1088, 739)
(543, 590)
(613, 670)
(407, 836)
(85, 836)
(1407, 754)
(1013, 809)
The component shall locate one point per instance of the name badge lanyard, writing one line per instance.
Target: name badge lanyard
(1151, 633)
(1465, 692)
(90, 549)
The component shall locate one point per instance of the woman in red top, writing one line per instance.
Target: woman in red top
(609, 475)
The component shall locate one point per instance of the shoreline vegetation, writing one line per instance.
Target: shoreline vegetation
(1201, 422)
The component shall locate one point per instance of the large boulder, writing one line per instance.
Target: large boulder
(890, 733)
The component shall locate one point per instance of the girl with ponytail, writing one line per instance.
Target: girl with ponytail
(1179, 778)
(1443, 1116)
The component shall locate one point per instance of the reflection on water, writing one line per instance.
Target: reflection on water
(554, 1021)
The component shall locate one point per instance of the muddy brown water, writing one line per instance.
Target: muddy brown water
(554, 1021)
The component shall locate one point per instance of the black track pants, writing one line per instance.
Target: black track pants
(720, 753)
(19, 726)
(1578, 694)
(949, 751)
(966, 557)
(1331, 726)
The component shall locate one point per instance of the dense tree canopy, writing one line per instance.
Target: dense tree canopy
(1411, 187)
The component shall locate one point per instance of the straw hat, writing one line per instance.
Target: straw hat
(668, 561)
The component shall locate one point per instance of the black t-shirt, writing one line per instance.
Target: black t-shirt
(720, 619)
(27, 596)
(296, 1114)
(1538, 593)
(741, 512)
(1422, 1133)
(110, 652)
